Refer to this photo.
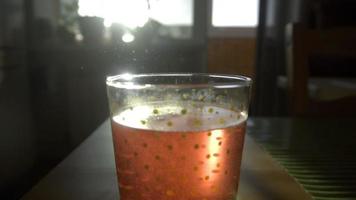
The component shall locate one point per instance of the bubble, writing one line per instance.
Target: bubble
(185, 96)
(220, 143)
(208, 156)
(206, 178)
(210, 110)
(196, 146)
(222, 121)
(197, 122)
(201, 98)
(209, 134)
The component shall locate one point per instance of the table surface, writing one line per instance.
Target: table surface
(89, 173)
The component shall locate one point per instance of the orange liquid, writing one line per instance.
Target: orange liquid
(178, 165)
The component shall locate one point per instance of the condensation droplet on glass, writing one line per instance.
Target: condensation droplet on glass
(228, 151)
(155, 111)
(221, 121)
(185, 96)
(197, 122)
(215, 171)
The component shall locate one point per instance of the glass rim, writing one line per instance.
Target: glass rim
(126, 81)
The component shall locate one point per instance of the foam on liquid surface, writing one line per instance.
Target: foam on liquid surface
(162, 117)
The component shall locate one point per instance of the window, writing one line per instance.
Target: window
(240, 17)
(173, 18)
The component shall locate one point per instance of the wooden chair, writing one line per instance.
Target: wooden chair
(302, 45)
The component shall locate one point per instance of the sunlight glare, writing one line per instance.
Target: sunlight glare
(130, 13)
(213, 147)
(128, 37)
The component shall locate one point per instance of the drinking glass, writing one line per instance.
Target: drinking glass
(178, 136)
